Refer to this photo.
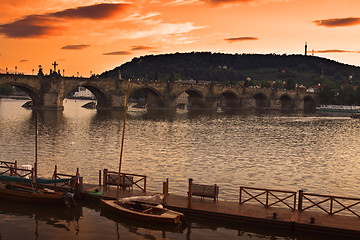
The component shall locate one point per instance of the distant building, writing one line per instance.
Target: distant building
(83, 93)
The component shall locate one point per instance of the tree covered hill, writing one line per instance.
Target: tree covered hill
(253, 69)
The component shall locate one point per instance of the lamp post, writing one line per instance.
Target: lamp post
(15, 69)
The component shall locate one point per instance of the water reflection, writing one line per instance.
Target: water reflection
(60, 217)
(316, 154)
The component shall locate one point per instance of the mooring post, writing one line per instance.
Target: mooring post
(300, 202)
(190, 193)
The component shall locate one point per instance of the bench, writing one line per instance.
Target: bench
(125, 181)
(202, 190)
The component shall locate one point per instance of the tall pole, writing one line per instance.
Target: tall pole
(36, 149)
(122, 143)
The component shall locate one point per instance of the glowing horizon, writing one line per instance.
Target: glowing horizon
(86, 36)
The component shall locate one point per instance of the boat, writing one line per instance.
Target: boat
(28, 187)
(131, 207)
(143, 212)
(338, 109)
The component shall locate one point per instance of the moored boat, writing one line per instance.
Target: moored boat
(338, 109)
(22, 193)
(143, 212)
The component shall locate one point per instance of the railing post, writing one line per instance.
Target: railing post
(105, 178)
(11, 171)
(100, 177)
(241, 188)
(300, 203)
(267, 198)
(294, 202)
(145, 184)
(15, 166)
(331, 205)
(165, 191)
(190, 193)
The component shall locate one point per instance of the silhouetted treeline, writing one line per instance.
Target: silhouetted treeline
(253, 69)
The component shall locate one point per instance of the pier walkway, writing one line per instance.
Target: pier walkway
(286, 218)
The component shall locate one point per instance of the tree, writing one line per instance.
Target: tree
(347, 95)
(328, 91)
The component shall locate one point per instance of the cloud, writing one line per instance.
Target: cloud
(97, 11)
(30, 26)
(24, 60)
(134, 48)
(338, 22)
(75, 47)
(49, 24)
(240, 39)
(118, 53)
(335, 51)
(227, 2)
(161, 29)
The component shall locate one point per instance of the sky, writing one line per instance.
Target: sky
(92, 36)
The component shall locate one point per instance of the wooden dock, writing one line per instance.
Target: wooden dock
(285, 218)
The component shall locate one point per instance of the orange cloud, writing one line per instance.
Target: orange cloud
(239, 39)
(335, 51)
(29, 27)
(134, 48)
(97, 11)
(118, 53)
(228, 1)
(37, 26)
(75, 47)
(338, 22)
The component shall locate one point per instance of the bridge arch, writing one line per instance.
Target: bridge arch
(309, 104)
(33, 94)
(153, 97)
(261, 101)
(196, 99)
(229, 99)
(103, 100)
(287, 103)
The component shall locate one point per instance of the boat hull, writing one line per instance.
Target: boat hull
(170, 217)
(31, 197)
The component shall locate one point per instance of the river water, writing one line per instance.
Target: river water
(317, 154)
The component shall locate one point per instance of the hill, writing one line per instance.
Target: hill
(222, 68)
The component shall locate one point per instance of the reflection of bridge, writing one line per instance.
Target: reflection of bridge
(48, 92)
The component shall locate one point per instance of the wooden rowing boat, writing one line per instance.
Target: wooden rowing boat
(23, 193)
(143, 212)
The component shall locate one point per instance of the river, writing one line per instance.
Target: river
(317, 154)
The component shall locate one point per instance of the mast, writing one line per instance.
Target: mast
(122, 143)
(36, 150)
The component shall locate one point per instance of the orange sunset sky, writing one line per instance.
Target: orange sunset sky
(97, 35)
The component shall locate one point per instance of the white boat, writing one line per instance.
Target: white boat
(340, 109)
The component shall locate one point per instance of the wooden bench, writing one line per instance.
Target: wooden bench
(202, 190)
(125, 181)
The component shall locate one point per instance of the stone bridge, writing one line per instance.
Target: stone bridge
(48, 92)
